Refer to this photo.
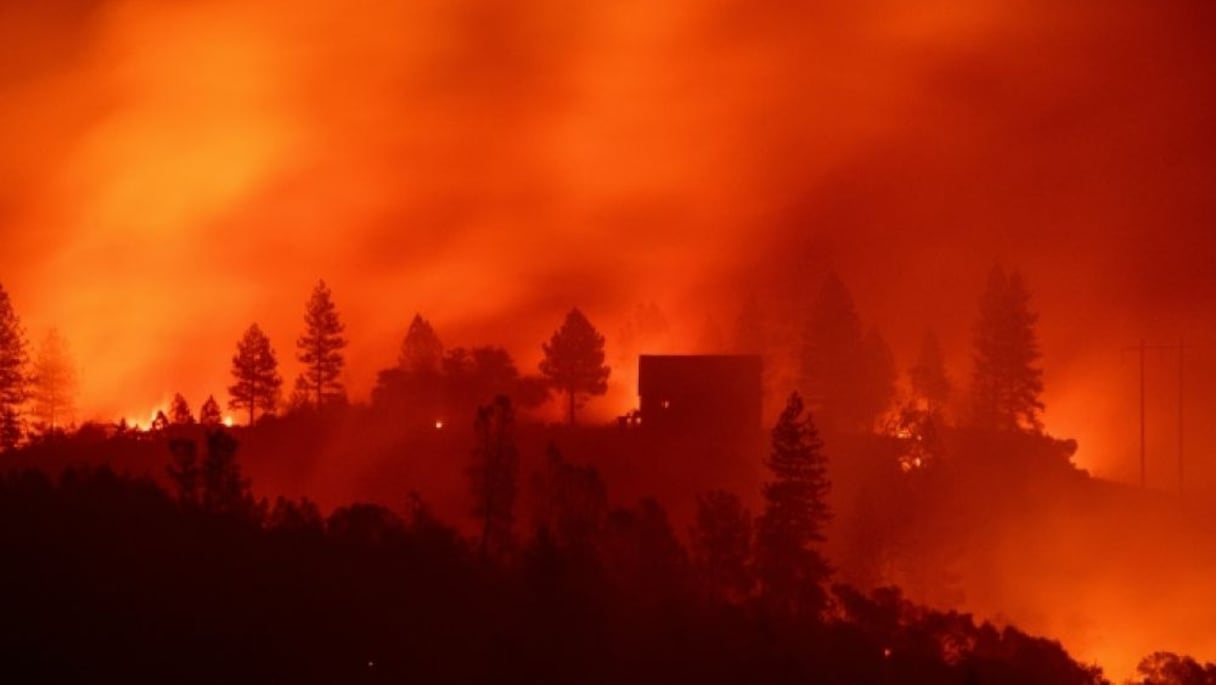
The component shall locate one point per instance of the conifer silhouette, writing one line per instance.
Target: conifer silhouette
(574, 360)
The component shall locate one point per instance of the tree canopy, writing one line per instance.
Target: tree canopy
(319, 349)
(791, 571)
(52, 384)
(257, 375)
(421, 350)
(848, 374)
(13, 359)
(1006, 382)
(209, 414)
(574, 360)
(493, 474)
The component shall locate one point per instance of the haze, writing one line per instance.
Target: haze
(172, 172)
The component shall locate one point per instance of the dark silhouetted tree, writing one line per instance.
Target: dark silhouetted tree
(184, 470)
(876, 386)
(1166, 668)
(365, 525)
(320, 348)
(834, 360)
(790, 570)
(1006, 382)
(570, 500)
(296, 517)
(13, 359)
(421, 350)
(209, 414)
(930, 384)
(224, 489)
(474, 376)
(52, 387)
(257, 375)
(493, 473)
(574, 360)
(722, 544)
(415, 386)
(641, 553)
(301, 396)
(179, 411)
(160, 422)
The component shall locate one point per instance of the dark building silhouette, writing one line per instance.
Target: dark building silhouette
(713, 395)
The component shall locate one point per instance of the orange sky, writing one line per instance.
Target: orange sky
(174, 171)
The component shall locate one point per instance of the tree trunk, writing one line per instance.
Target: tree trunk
(570, 392)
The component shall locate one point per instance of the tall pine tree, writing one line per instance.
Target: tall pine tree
(849, 376)
(421, 350)
(209, 414)
(721, 544)
(493, 474)
(574, 360)
(257, 375)
(791, 571)
(1006, 382)
(179, 411)
(320, 348)
(52, 384)
(13, 360)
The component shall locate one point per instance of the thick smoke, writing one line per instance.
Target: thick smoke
(175, 171)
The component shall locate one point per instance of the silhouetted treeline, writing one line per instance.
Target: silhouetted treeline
(108, 577)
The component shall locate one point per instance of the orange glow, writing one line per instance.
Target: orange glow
(188, 168)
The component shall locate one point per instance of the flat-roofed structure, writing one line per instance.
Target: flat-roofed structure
(712, 395)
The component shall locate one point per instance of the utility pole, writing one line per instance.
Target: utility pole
(1181, 347)
(1139, 349)
(1143, 470)
(1181, 355)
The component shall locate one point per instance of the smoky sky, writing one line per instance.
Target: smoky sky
(172, 172)
(175, 171)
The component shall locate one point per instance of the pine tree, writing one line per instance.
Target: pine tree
(791, 571)
(320, 348)
(224, 489)
(257, 375)
(184, 470)
(721, 545)
(52, 384)
(421, 350)
(209, 414)
(876, 386)
(570, 501)
(833, 359)
(574, 360)
(13, 360)
(930, 384)
(492, 474)
(179, 411)
(1006, 382)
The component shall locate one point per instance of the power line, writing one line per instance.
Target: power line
(1181, 349)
